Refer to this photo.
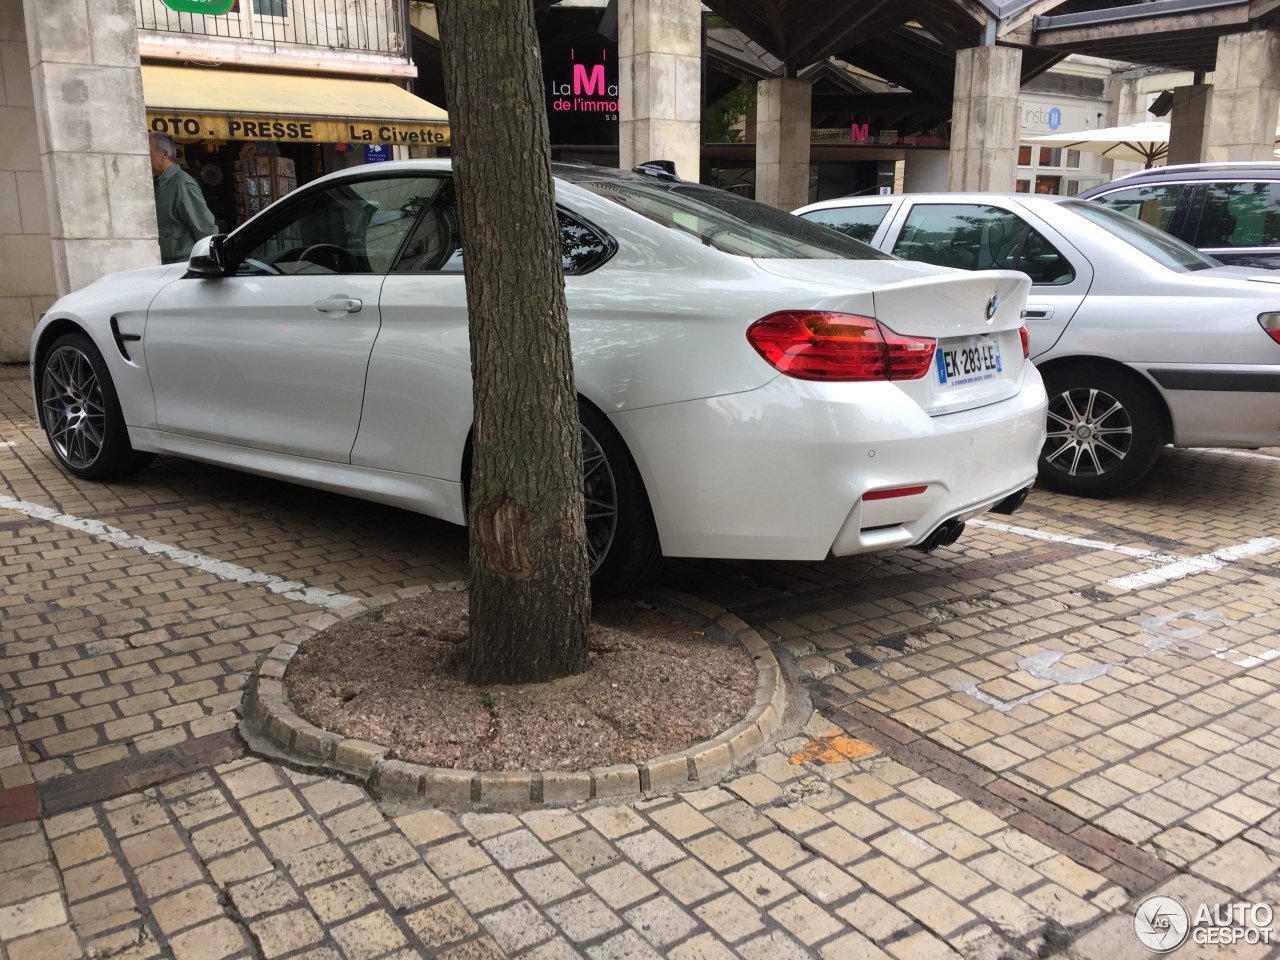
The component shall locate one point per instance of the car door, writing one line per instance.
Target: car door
(988, 236)
(418, 406)
(274, 354)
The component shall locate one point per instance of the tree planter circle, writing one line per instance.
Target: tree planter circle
(272, 727)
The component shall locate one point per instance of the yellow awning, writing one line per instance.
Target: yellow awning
(194, 103)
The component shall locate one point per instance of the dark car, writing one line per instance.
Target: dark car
(1231, 211)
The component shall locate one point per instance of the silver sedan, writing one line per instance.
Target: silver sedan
(1141, 339)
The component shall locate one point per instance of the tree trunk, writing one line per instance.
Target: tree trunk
(530, 591)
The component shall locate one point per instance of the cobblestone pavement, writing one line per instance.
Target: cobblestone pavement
(1017, 739)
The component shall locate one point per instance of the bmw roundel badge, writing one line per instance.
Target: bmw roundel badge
(992, 305)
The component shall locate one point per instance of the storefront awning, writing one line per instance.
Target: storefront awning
(194, 103)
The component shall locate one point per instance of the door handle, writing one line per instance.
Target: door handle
(1038, 313)
(338, 305)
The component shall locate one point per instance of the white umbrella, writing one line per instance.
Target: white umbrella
(1145, 143)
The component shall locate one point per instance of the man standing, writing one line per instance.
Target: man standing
(181, 212)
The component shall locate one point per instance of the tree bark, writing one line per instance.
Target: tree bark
(530, 590)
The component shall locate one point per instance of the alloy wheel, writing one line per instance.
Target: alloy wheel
(75, 415)
(601, 493)
(1089, 434)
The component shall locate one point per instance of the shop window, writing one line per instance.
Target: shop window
(979, 237)
(1240, 215)
(353, 228)
(1050, 185)
(1024, 155)
(1153, 204)
(1073, 159)
(436, 244)
(1023, 186)
(1050, 157)
(857, 222)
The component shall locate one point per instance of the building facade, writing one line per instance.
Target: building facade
(259, 99)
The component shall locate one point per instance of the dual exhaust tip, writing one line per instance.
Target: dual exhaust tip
(947, 534)
(949, 531)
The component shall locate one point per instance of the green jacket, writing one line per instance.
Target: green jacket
(181, 213)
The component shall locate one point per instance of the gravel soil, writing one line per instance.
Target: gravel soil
(396, 678)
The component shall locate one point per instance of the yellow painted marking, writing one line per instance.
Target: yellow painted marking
(833, 748)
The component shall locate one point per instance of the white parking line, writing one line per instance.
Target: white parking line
(219, 568)
(1076, 541)
(1186, 566)
(1170, 567)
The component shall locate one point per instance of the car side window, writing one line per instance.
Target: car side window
(980, 237)
(859, 222)
(436, 244)
(1154, 204)
(353, 228)
(1239, 215)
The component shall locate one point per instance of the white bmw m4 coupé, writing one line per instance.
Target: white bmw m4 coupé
(751, 385)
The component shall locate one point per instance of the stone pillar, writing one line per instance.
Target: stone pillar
(926, 171)
(1128, 105)
(1186, 123)
(27, 285)
(93, 137)
(784, 113)
(1245, 98)
(984, 119)
(660, 83)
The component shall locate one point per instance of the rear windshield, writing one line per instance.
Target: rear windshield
(1159, 246)
(732, 223)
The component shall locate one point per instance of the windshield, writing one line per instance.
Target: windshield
(732, 223)
(1159, 246)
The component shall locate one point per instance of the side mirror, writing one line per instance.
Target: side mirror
(207, 257)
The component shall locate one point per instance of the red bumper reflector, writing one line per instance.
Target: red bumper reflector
(895, 492)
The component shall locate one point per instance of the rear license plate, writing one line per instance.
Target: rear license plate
(960, 362)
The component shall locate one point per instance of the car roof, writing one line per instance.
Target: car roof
(1031, 199)
(1234, 169)
(571, 172)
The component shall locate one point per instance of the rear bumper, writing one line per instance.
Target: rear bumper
(779, 472)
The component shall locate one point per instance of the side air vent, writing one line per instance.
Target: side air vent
(122, 338)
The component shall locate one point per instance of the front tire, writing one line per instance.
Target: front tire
(80, 412)
(1104, 431)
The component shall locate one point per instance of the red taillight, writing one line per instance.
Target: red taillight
(895, 492)
(1025, 334)
(838, 346)
(1271, 323)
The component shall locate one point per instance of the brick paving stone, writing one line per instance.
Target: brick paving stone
(650, 850)
(517, 849)
(585, 917)
(759, 884)
(730, 916)
(368, 936)
(661, 921)
(584, 851)
(625, 946)
(619, 886)
(484, 889)
(441, 923)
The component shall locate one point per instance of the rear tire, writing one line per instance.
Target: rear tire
(1104, 431)
(622, 538)
(80, 412)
